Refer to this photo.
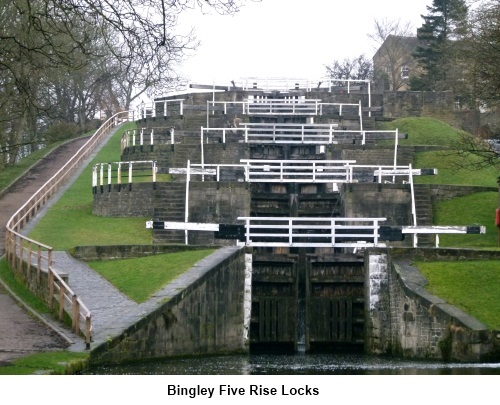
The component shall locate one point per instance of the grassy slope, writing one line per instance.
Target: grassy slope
(139, 278)
(423, 131)
(471, 286)
(70, 221)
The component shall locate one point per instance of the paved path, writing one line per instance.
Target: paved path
(111, 310)
(20, 332)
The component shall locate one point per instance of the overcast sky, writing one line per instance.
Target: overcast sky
(288, 38)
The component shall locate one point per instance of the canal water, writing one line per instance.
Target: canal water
(297, 364)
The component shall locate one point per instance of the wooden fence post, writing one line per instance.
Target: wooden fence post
(76, 314)
(51, 288)
(61, 301)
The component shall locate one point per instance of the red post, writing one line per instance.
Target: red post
(497, 223)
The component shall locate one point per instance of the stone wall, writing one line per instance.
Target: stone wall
(200, 313)
(373, 200)
(162, 154)
(404, 319)
(219, 203)
(134, 200)
(111, 252)
(445, 192)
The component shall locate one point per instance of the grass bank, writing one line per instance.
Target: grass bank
(477, 208)
(139, 278)
(55, 362)
(471, 286)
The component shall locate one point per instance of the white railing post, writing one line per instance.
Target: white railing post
(369, 99)
(396, 140)
(332, 233)
(109, 176)
(360, 115)
(247, 231)
(202, 156)
(186, 211)
(181, 107)
(94, 177)
(101, 176)
(129, 173)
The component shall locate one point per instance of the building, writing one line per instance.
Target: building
(394, 64)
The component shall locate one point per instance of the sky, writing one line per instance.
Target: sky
(288, 38)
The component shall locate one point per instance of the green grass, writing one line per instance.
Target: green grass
(138, 278)
(451, 170)
(477, 208)
(56, 362)
(424, 131)
(472, 286)
(70, 221)
(22, 292)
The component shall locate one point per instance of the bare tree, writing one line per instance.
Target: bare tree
(93, 45)
(358, 68)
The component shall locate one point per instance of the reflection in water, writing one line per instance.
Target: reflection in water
(305, 364)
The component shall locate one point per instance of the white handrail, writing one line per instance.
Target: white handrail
(98, 172)
(301, 171)
(307, 232)
(17, 244)
(147, 110)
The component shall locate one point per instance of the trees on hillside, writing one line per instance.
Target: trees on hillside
(63, 60)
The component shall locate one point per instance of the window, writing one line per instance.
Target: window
(405, 72)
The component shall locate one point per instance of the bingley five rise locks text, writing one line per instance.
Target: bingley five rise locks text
(228, 390)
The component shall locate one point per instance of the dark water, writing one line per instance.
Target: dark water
(298, 364)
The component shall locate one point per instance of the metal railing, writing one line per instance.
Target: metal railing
(22, 251)
(148, 136)
(161, 108)
(317, 134)
(114, 172)
(307, 232)
(289, 84)
(298, 171)
(303, 171)
(285, 106)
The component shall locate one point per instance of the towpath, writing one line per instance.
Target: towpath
(22, 332)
